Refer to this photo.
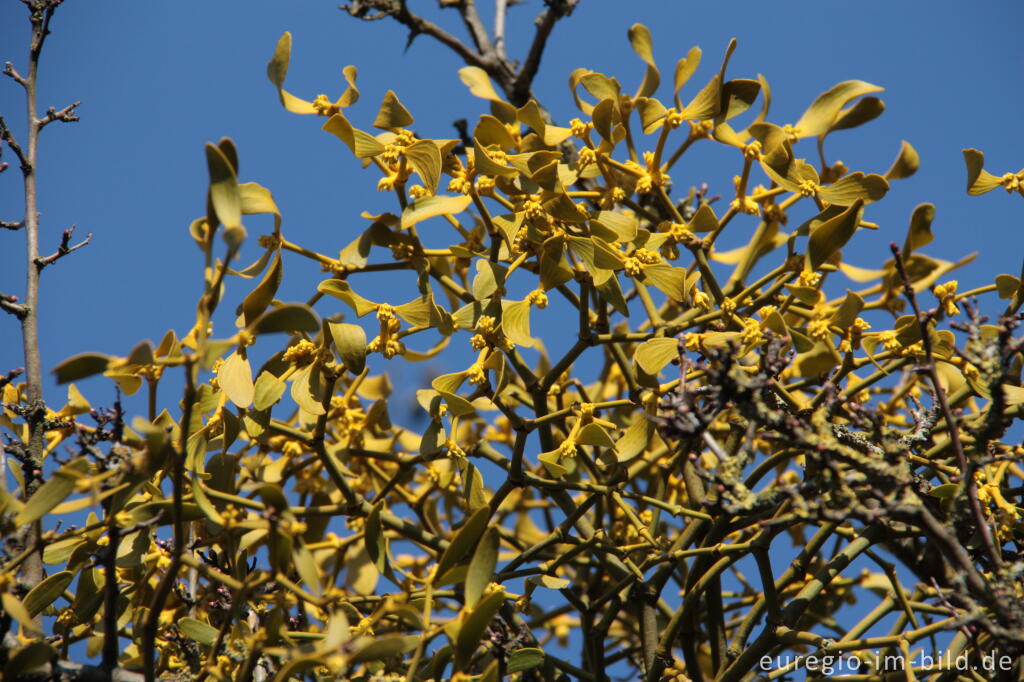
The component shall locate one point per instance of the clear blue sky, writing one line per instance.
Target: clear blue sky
(157, 80)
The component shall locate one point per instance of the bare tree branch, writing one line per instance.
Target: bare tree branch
(9, 304)
(7, 136)
(966, 469)
(9, 70)
(475, 26)
(11, 224)
(67, 115)
(545, 23)
(378, 9)
(64, 249)
(500, 11)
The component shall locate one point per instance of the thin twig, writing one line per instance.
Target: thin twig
(9, 304)
(545, 22)
(475, 26)
(64, 249)
(417, 25)
(966, 470)
(7, 136)
(9, 70)
(67, 115)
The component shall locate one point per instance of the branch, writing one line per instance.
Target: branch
(475, 26)
(7, 136)
(64, 248)
(67, 115)
(500, 10)
(11, 224)
(416, 24)
(9, 304)
(966, 470)
(545, 22)
(9, 70)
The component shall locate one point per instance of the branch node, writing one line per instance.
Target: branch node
(64, 249)
(66, 115)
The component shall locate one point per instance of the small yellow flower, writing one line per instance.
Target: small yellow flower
(752, 332)
(579, 128)
(538, 298)
(809, 279)
(808, 188)
(587, 157)
(752, 151)
(889, 341)
(477, 374)
(647, 257)
(701, 300)
(946, 293)
(301, 354)
(818, 329)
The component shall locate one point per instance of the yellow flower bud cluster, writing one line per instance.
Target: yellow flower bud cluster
(538, 298)
(387, 343)
(946, 293)
(301, 354)
(579, 128)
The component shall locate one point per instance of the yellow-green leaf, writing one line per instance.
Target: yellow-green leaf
(685, 68)
(362, 144)
(481, 566)
(16, 610)
(919, 233)
(824, 110)
(81, 366)
(653, 354)
(341, 289)
(290, 318)
(277, 70)
(906, 164)
(53, 492)
(854, 186)
(197, 630)
(425, 159)
(471, 632)
(848, 310)
(515, 323)
(640, 39)
(235, 379)
(524, 659)
(478, 82)
(669, 279)
(350, 341)
(429, 207)
(635, 439)
(267, 390)
(832, 235)
(261, 297)
(302, 391)
(392, 114)
(596, 435)
(46, 592)
(225, 196)
(979, 180)
(463, 541)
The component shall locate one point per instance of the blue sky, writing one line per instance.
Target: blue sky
(157, 80)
